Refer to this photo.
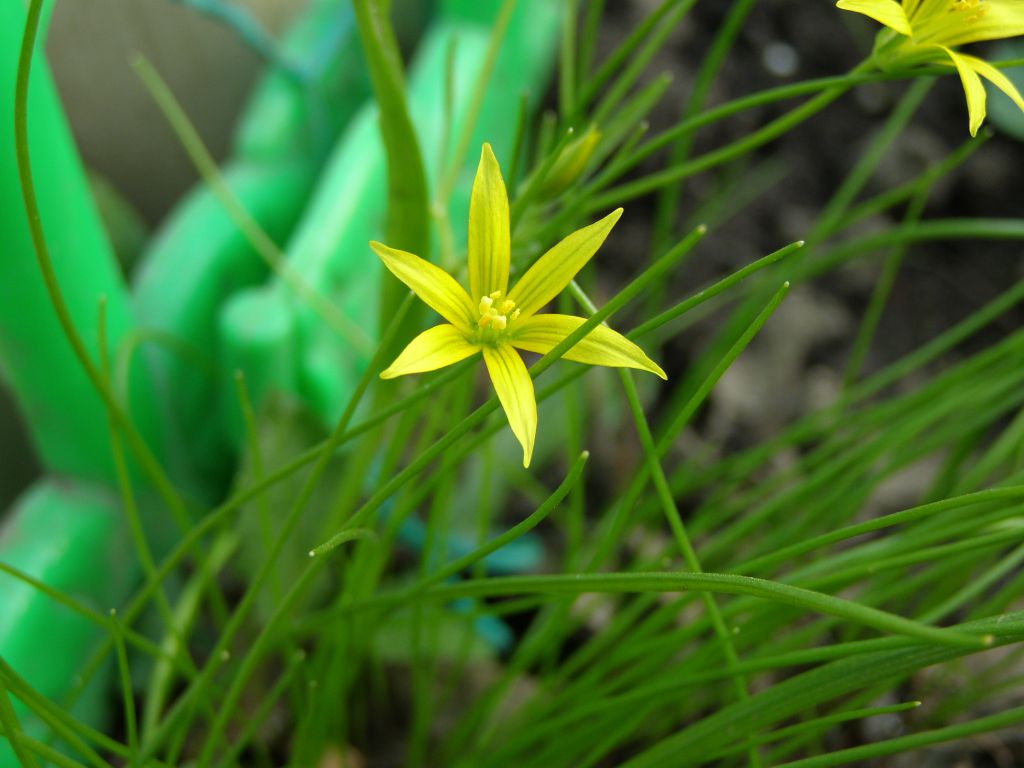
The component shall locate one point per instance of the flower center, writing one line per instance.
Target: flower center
(973, 9)
(495, 315)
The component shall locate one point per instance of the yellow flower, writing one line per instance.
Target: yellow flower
(497, 320)
(927, 30)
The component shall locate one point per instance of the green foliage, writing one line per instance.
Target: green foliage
(735, 607)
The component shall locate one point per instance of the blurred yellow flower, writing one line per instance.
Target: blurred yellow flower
(498, 320)
(927, 30)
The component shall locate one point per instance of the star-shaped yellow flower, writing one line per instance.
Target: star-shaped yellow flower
(495, 320)
(927, 30)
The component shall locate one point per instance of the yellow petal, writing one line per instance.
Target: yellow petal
(514, 386)
(973, 88)
(553, 271)
(488, 229)
(602, 346)
(887, 12)
(433, 285)
(910, 7)
(434, 348)
(997, 78)
(990, 20)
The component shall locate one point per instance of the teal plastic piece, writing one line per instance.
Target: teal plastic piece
(519, 556)
(1002, 112)
(286, 118)
(329, 248)
(248, 28)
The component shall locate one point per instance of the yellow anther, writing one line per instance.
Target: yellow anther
(496, 317)
(976, 7)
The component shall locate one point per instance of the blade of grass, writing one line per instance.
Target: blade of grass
(722, 583)
(667, 203)
(476, 100)
(12, 730)
(407, 225)
(899, 744)
(179, 713)
(638, 61)
(63, 725)
(769, 132)
(260, 241)
(127, 698)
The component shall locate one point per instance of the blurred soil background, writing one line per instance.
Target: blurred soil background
(795, 364)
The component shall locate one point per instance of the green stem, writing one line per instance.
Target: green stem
(616, 523)
(567, 59)
(913, 741)
(619, 56)
(48, 753)
(256, 719)
(408, 223)
(476, 101)
(654, 181)
(127, 698)
(181, 708)
(477, 555)
(139, 641)
(682, 539)
(64, 726)
(880, 296)
(12, 730)
(260, 241)
(177, 647)
(719, 583)
(668, 201)
(675, 521)
(924, 511)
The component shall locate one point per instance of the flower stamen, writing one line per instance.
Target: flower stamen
(496, 317)
(976, 9)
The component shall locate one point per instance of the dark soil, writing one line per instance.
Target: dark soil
(798, 360)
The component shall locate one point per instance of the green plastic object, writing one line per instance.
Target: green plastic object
(52, 641)
(194, 263)
(59, 534)
(201, 285)
(329, 248)
(65, 416)
(199, 258)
